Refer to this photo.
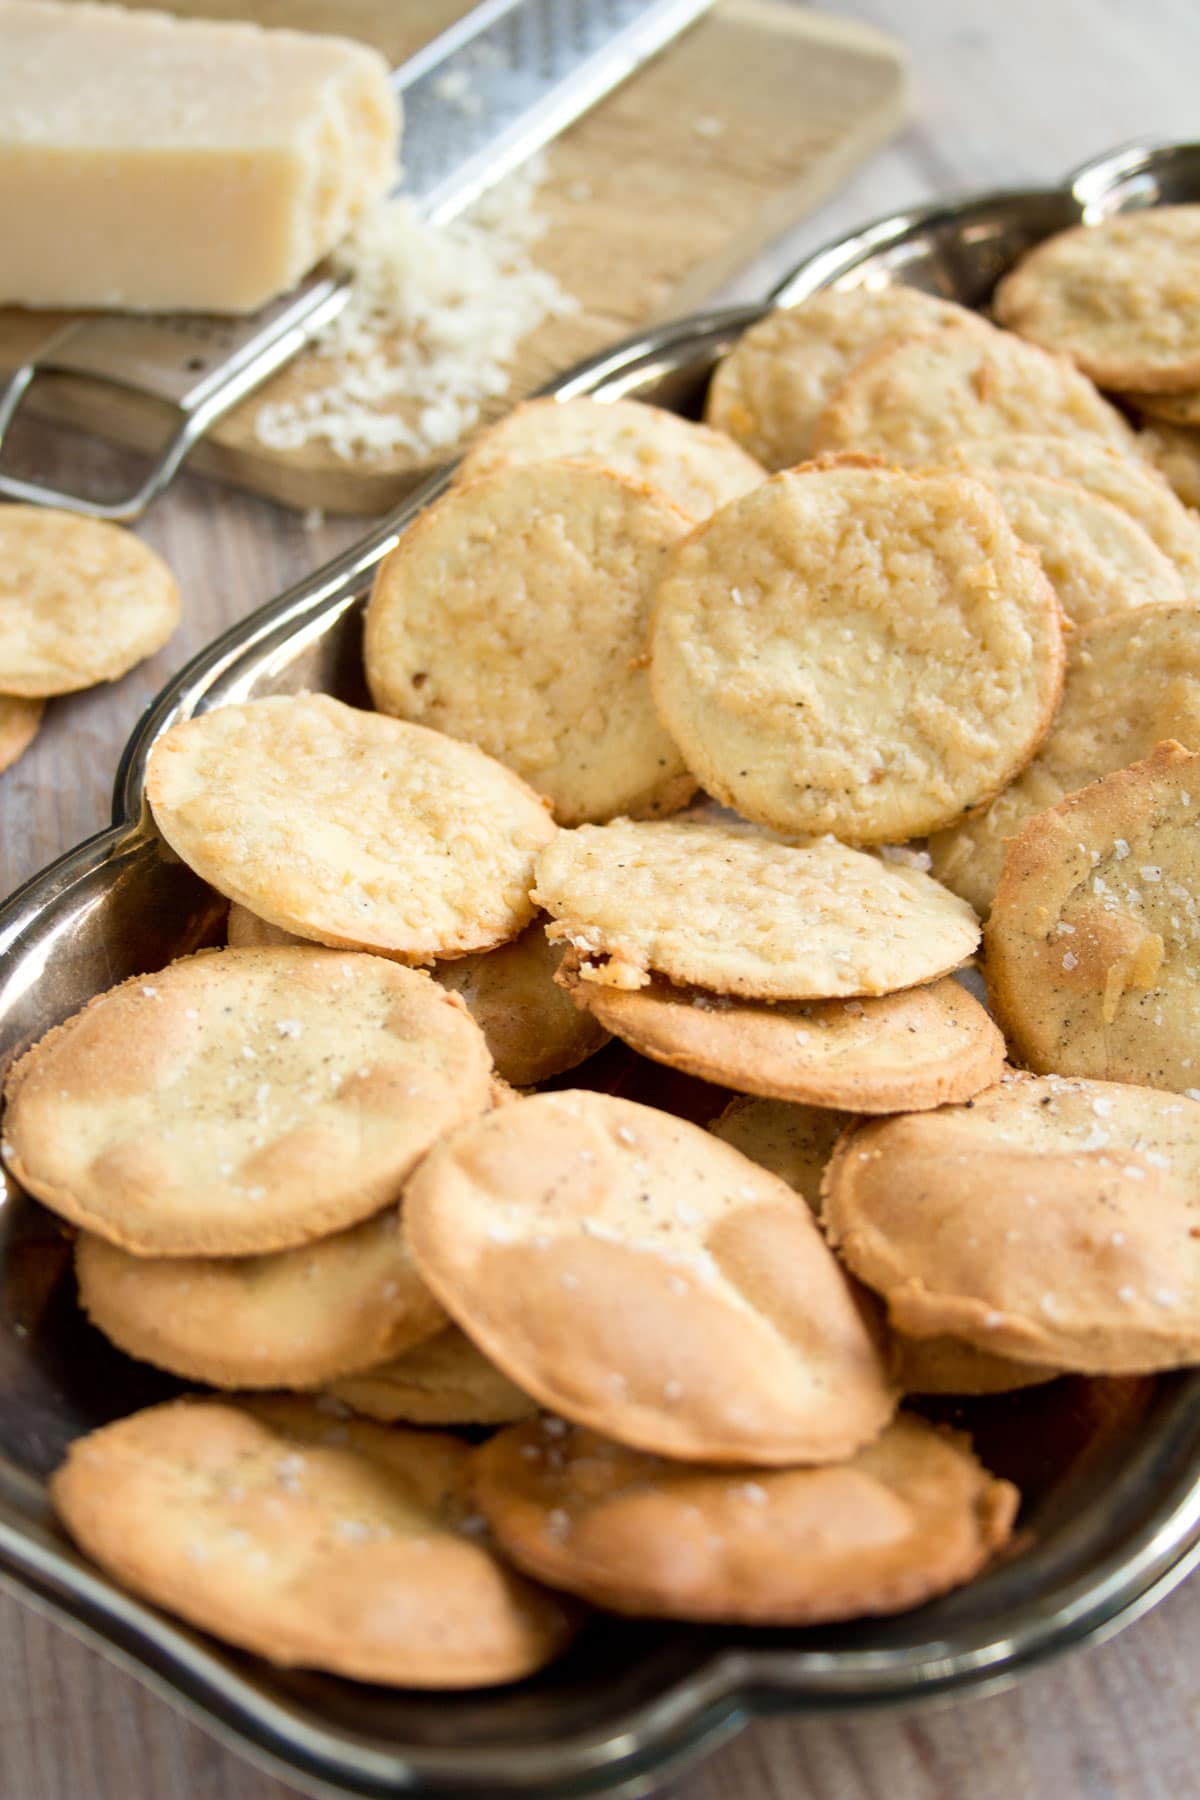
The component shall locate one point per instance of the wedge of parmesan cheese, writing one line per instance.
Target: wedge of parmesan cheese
(153, 163)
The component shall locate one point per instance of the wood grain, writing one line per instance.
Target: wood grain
(1006, 94)
(645, 215)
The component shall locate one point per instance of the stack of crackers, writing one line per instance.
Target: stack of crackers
(728, 764)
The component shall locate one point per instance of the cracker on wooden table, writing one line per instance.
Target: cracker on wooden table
(1120, 297)
(1050, 1219)
(350, 828)
(894, 1053)
(514, 614)
(697, 468)
(911, 1515)
(532, 1029)
(295, 1319)
(1153, 654)
(910, 401)
(740, 913)
(1094, 938)
(773, 386)
(857, 649)
(640, 1276)
(242, 1101)
(444, 1381)
(81, 601)
(19, 722)
(315, 1543)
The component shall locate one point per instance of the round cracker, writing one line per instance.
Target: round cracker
(444, 1381)
(771, 389)
(697, 468)
(532, 1029)
(1095, 931)
(793, 1142)
(242, 1101)
(898, 1053)
(636, 1274)
(738, 913)
(1121, 297)
(859, 650)
(1099, 560)
(344, 1546)
(1154, 654)
(1174, 451)
(514, 614)
(910, 401)
(911, 1515)
(348, 828)
(1050, 1220)
(292, 1320)
(19, 721)
(81, 601)
(1129, 483)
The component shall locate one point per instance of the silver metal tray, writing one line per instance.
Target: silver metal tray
(1110, 1470)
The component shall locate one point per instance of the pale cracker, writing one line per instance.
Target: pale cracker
(81, 601)
(1121, 297)
(636, 1274)
(895, 1053)
(911, 400)
(514, 614)
(349, 828)
(1094, 940)
(943, 1365)
(1129, 482)
(1098, 558)
(697, 468)
(444, 1381)
(242, 1101)
(775, 383)
(738, 913)
(314, 1543)
(1154, 655)
(859, 650)
(295, 1319)
(911, 1515)
(532, 1029)
(1050, 1220)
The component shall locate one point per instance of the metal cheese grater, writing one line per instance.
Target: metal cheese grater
(478, 100)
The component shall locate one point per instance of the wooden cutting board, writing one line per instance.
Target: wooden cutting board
(652, 200)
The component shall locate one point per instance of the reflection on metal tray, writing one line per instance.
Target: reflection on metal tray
(1110, 1469)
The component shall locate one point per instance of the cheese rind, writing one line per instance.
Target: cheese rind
(152, 163)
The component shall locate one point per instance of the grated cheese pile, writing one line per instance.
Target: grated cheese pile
(434, 319)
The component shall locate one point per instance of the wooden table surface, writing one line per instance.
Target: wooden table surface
(1006, 94)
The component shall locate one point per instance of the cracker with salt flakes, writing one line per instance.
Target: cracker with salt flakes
(1094, 937)
(911, 1515)
(343, 1546)
(242, 1101)
(631, 1271)
(1051, 1220)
